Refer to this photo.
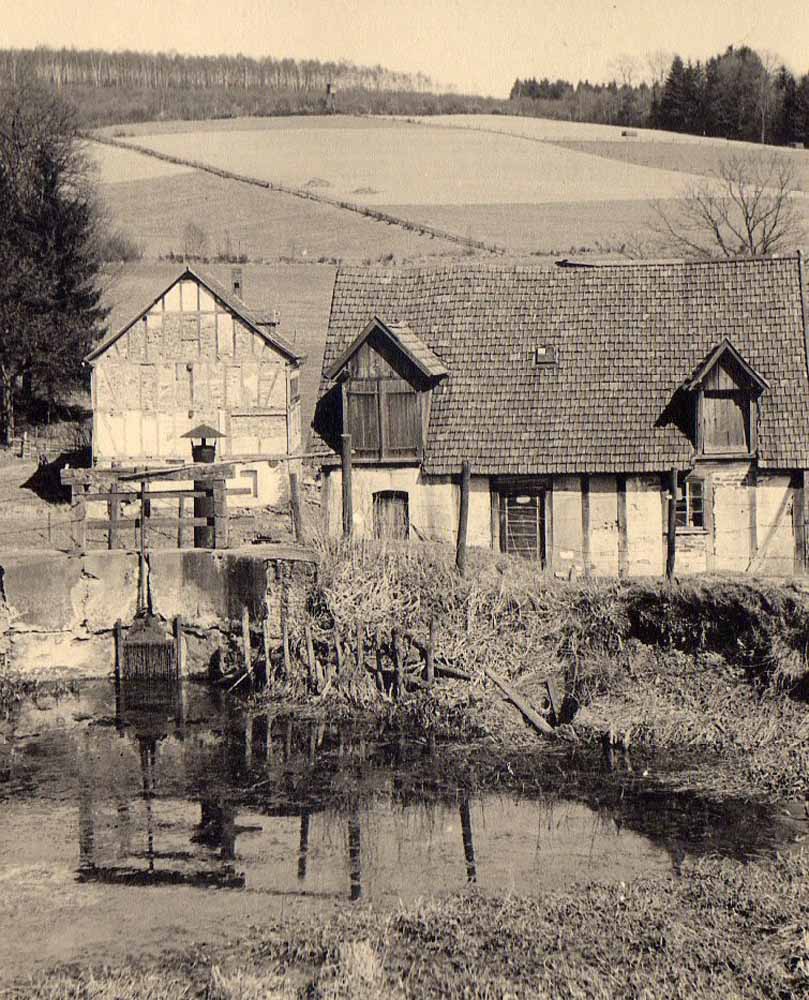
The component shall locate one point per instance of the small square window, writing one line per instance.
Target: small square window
(690, 509)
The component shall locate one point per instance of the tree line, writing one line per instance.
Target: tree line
(737, 94)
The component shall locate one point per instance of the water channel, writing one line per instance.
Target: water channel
(131, 824)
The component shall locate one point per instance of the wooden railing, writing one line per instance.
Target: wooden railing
(114, 487)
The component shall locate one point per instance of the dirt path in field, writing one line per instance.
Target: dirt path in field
(306, 194)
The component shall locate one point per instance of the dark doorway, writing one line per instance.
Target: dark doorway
(391, 514)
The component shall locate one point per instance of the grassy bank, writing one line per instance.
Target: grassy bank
(718, 929)
(705, 663)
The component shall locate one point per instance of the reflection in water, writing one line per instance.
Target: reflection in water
(179, 790)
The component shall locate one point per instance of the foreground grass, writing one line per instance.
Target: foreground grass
(719, 929)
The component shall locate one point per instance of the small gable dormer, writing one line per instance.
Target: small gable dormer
(725, 391)
(386, 376)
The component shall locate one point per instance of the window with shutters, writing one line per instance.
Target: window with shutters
(384, 418)
(726, 414)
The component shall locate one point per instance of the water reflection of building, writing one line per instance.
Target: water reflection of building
(147, 711)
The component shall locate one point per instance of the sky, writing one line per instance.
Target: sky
(478, 46)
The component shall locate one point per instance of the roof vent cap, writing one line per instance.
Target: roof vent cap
(544, 356)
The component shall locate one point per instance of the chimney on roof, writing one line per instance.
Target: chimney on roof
(236, 281)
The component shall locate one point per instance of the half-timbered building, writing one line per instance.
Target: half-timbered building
(587, 400)
(193, 353)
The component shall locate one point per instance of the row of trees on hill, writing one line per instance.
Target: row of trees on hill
(119, 87)
(738, 94)
(169, 70)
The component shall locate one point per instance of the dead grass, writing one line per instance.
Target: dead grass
(719, 929)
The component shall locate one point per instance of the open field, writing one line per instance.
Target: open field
(383, 166)
(115, 165)
(688, 157)
(559, 229)
(255, 222)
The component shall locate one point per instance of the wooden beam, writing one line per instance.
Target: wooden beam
(348, 508)
(753, 514)
(463, 518)
(671, 527)
(585, 526)
(623, 541)
(799, 521)
(295, 506)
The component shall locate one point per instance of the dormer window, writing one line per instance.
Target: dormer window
(385, 378)
(726, 392)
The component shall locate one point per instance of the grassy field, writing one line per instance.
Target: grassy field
(687, 157)
(418, 165)
(259, 223)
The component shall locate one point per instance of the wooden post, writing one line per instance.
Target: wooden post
(180, 516)
(119, 650)
(114, 512)
(360, 647)
(397, 662)
(623, 538)
(799, 522)
(219, 502)
(143, 587)
(429, 661)
(78, 517)
(303, 846)
(348, 503)
(355, 857)
(463, 519)
(338, 652)
(468, 842)
(671, 533)
(246, 644)
(295, 505)
(178, 647)
(265, 639)
(310, 657)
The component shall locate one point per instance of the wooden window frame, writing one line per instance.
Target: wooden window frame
(384, 452)
(685, 491)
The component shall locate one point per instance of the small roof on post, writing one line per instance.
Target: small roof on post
(204, 432)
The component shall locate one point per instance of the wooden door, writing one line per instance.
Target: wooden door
(391, 514)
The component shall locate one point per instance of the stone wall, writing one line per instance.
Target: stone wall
(64, 607)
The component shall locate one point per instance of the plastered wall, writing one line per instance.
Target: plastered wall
(748, 519)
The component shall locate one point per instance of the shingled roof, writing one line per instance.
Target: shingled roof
(626, 339)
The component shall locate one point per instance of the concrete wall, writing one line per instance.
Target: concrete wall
(748, 519)
(190, 360)
(58, 610)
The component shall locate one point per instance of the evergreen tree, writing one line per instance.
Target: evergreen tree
(50, 309)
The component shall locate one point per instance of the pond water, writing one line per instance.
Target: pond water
(145, 820)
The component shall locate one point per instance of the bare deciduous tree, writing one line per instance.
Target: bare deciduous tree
(751, 207)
